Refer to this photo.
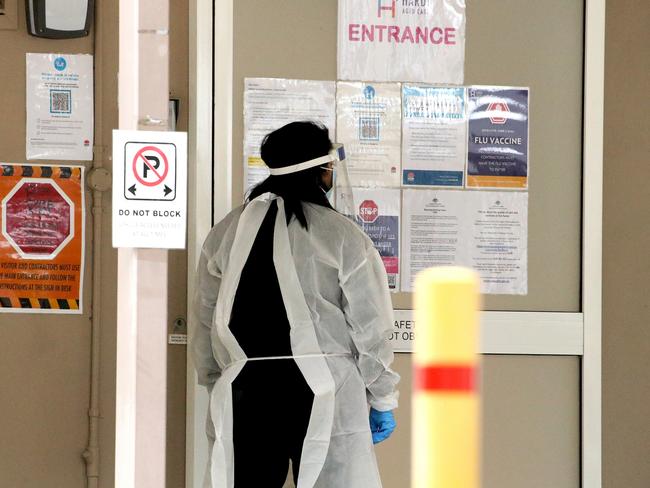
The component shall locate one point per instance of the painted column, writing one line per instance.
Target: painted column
(141, 394)
(445, 365)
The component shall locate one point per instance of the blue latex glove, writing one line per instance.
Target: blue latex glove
(382, 425)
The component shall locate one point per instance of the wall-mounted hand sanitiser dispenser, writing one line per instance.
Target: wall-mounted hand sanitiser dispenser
(59, 19)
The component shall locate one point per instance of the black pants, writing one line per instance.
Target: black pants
(271, 409)
(271, 399)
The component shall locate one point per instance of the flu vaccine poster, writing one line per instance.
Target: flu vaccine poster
(497, 155)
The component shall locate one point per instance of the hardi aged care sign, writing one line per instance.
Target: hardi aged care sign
(402, 40)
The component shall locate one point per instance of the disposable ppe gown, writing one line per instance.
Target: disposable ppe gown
(335, 293)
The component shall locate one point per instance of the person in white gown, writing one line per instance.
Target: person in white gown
(291, 338)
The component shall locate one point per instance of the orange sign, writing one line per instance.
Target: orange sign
(42, 238)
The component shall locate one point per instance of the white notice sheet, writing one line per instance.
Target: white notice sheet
(369, 125)
(271, 103)
(60, 107)
(434, 145)
(486, 231)
(497, 246)
(434, 223)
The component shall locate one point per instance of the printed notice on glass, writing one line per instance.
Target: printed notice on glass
(434, 136)
(434, 229)
(369, 125)
(497, 155)
(378, 213)
(486, 231)
(420, 41)
(60, 107)
(497, 241)
(271, 103)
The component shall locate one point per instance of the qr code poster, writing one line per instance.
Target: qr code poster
(368, 123)
(60, 107)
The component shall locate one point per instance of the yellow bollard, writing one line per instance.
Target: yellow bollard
(445, 369)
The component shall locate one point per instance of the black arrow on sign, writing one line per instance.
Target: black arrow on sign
(132, 189)
(167, 190)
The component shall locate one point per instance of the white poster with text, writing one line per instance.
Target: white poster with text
(369, 124)
(486, 231)
(60, 107)
(497, 241)
(270, 103)
(434, 223)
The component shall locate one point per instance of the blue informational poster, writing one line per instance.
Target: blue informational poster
(433, 136)
(497, 155)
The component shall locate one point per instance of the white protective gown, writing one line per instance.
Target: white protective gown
(335, 292)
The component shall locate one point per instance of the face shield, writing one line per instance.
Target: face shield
(340, 196)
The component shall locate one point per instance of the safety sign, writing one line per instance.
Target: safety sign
(42, 238)
(149, 171)
(403, 333)
(149, 189)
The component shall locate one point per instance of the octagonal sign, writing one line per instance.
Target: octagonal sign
(498, 111)
(368, 211)
(37, 218)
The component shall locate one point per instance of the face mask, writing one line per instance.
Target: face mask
(330, 192)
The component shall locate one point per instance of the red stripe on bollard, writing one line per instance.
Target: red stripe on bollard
(444, 378)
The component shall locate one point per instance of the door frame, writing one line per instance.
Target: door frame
(542, 333)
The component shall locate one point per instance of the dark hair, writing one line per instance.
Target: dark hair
(292, 144)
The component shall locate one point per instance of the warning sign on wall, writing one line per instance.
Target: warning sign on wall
(42, 238)
(149, 189)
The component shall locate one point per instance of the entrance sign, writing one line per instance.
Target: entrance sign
(42, 239)
(402, 40)
(149, 189)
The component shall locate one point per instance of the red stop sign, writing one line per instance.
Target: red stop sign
(499, 111)
(368, 211)
(38, 219)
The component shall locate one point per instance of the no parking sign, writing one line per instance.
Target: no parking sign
(150, 171)
(149, 189)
